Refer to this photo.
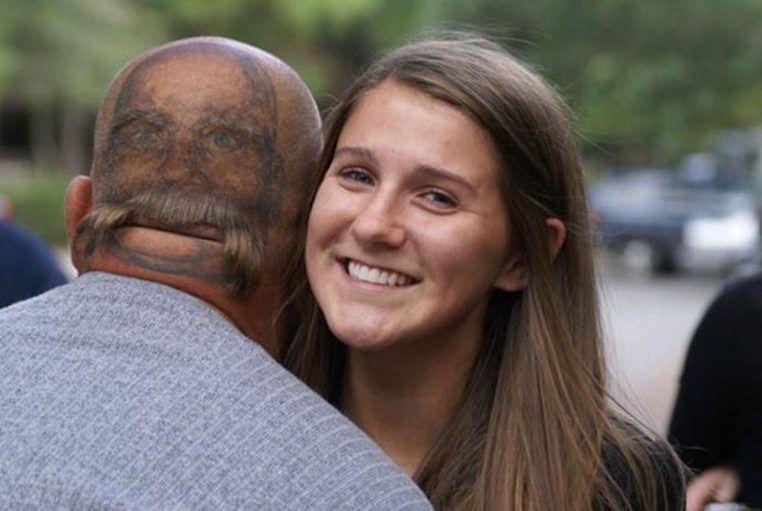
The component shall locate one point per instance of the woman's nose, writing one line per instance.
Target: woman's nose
(380, 222)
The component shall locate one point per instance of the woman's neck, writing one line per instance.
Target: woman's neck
(402, 397)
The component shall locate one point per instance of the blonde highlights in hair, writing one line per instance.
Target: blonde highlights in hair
(532, 430)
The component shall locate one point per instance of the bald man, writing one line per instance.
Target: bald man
(141, 384)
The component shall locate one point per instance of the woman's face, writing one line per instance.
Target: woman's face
(408, 233)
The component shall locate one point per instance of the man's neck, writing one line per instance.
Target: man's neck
(194, 266)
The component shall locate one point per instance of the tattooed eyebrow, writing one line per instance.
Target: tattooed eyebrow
(235, 123)
(128, 116)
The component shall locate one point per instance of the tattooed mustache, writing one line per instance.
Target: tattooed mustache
(177, 211)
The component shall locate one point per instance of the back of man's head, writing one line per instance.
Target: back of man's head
(209, 138)
(203, 139)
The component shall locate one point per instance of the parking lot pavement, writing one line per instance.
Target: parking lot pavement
(648, 322)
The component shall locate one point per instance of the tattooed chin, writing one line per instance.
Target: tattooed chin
(200, 215)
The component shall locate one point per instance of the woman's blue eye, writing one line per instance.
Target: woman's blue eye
(441, 199)
(357, 175)
(222, 139)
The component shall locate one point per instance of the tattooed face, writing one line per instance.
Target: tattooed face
(191, 149)
(194, 123)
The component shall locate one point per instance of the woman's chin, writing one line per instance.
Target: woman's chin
(364, 344)
(365, 339)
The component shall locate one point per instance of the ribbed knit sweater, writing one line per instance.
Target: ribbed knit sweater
(118, 393)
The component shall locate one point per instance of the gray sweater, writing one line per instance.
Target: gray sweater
(118, 393)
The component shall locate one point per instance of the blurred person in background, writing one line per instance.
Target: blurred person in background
(28, 266)
(451, 310)
(144, 383)
(716, 423)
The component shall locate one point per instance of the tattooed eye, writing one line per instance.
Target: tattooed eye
(145, 136)
(222, 139)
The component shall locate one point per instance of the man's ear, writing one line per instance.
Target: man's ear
(78, 203)
(513, 277)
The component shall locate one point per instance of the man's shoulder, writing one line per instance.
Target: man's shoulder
(101, 304)
(176, 404)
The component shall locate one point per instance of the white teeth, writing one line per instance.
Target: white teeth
(375, 276)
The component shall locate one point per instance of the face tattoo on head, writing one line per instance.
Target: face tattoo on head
(191, 149)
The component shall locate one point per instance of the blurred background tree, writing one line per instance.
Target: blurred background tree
(648, 81)
(64, 53)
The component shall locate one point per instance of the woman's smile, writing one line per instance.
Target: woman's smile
(377, 275)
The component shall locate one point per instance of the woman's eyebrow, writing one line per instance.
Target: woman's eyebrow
(357, 152)
(435, 173)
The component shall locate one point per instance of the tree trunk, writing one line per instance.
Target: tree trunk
(42, 139)
(73, 123)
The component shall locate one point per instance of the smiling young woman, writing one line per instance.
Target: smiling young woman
(452, 309)
(412, 193)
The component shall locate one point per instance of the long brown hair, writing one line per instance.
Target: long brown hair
(532, 430)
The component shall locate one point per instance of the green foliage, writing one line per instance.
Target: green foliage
(8, 57)
(68, 50)
(37, 203)
(648, 80)
(310, 17)
(326, 41)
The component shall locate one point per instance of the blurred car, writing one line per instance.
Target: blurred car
(658, 221)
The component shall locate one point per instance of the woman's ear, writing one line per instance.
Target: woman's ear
(556, 235)
(78, 203)
(513, 277)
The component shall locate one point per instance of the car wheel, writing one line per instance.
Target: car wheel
(646, 258)
(640, 256)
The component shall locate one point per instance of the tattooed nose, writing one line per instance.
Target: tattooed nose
(179, 168)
